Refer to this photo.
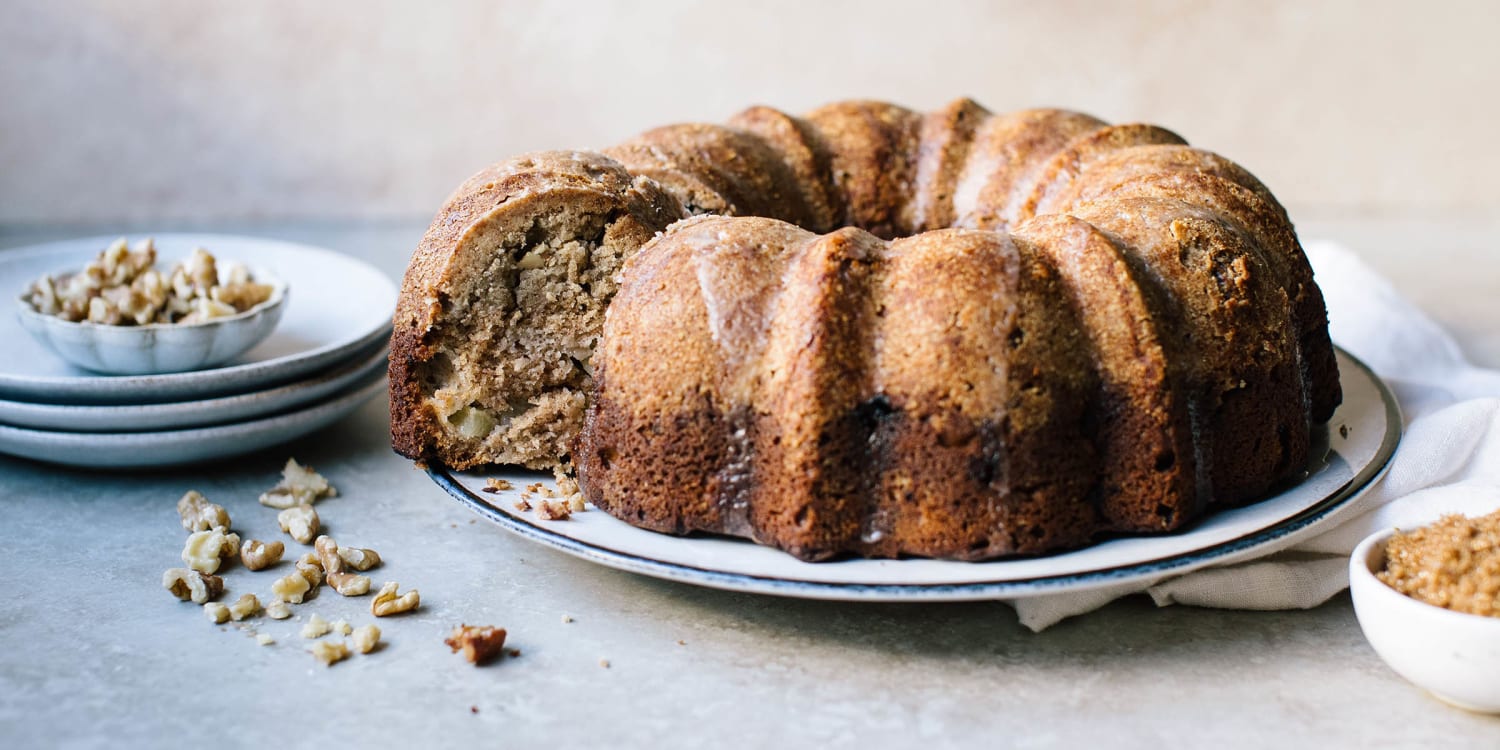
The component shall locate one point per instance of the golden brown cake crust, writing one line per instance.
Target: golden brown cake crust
(1148, 342)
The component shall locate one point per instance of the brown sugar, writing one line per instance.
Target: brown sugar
(1454, 563)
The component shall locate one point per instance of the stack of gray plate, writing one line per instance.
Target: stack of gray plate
(326, 357)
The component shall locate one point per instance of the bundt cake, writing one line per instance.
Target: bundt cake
(871, 331)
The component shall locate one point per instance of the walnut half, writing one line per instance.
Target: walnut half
(300, 522)
(205, 551)
(478, 643)
(328, 554)
(291, 588)
(198, 514)
(258, 555)
(192, 585)
(350, 584)
(359, 558)
(387, 603)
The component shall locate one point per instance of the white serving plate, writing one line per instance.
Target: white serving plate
(183, 414)
(138, 450)
(1362, 436)
(336, 306)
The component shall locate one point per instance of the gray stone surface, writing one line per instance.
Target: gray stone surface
(94, 653)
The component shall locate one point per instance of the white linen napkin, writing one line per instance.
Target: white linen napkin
(1448, 460)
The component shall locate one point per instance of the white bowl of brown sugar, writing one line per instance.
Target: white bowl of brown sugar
(1429, 603)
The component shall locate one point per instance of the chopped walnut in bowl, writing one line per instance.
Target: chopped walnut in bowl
(119, 314)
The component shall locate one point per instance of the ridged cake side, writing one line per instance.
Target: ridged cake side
(837, 393)
(1202, 335)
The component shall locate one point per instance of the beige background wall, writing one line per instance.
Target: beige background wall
(186, 109)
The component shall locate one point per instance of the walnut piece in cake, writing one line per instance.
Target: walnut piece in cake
(299, 485)
(478, 643)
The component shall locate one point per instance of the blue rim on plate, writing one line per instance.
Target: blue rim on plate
(1260, 542)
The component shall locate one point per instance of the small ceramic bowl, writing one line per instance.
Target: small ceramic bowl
(1453, 655)
(158, 347)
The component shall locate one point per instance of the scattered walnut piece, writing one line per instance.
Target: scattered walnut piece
(291, 588)
(349, 584)
(497, 485)
(300, 522)
(316, 627)
(566, 484)
(258, 555)
(205, 551)
(192, 585)
(366, 638)
(311, 568)
(328, 554)
(299, 485)
(264, 639)
(198, 514)
(522, 505)
(246, 606)
(551, 510)
(278, 610)
(604, 663)
(387, 603)
(341, 627)
(478, 643)
(216, 612)
(359, 558)
(576, 504)
(330, 652)
(534, 487)
(567, 619)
